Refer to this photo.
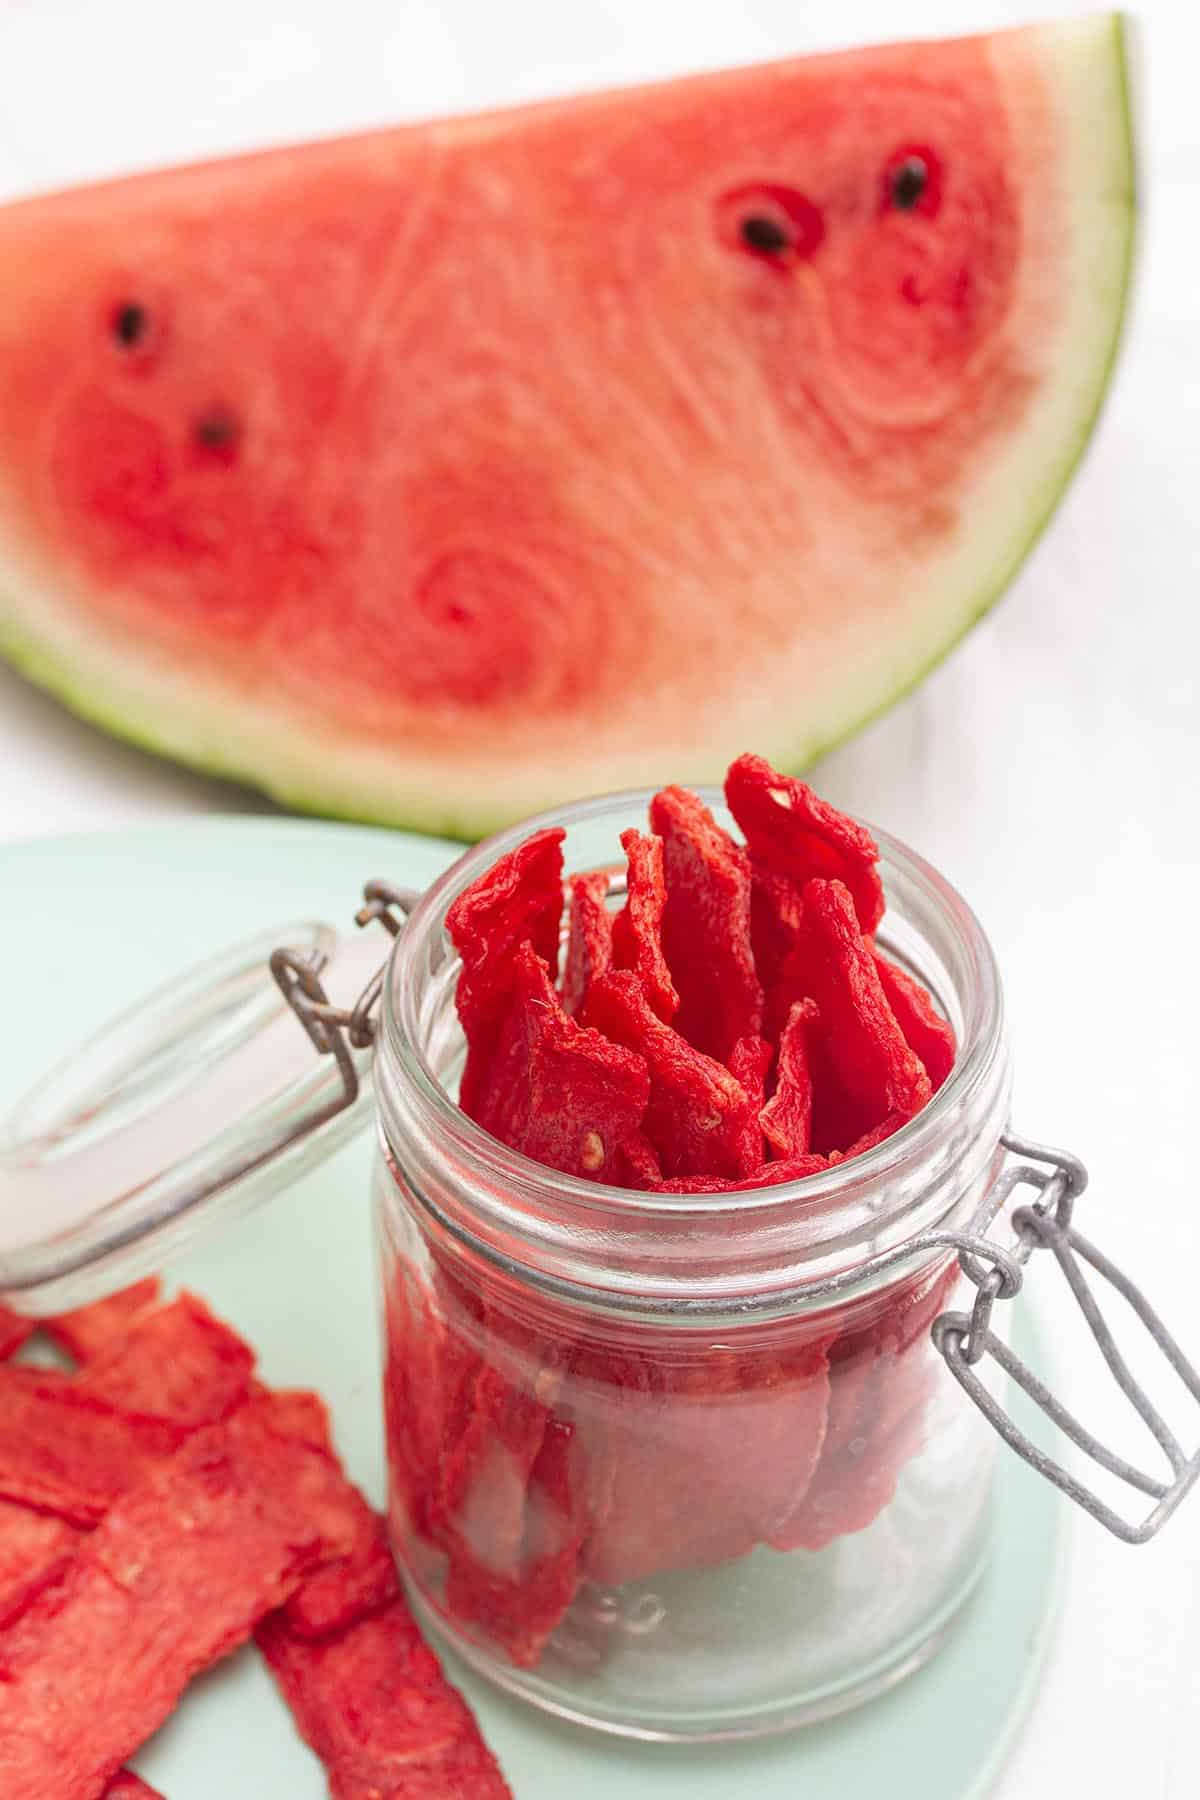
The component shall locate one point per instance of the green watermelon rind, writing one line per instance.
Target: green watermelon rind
(165, 716)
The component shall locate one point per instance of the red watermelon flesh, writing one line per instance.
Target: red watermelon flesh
(441, 473)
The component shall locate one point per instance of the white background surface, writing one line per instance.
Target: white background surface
(1051, 768)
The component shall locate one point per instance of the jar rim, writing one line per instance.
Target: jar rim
(524, 1189)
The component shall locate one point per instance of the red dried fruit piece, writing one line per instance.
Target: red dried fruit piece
(749, 1062)
(638, 1166)
(637, 928)
(771, 1174)
(14, 1330)
(66, 1454)
(706, 925)
(128, 1786)
(374, 1705)
(35, 1548)
(178, 1573)
(296, 1412)
(775, 909)
(178, 1365)
(517, 901)
(863, 1070)
(564, 1095)
(520, 1610)
(794, 833)
(786, 1119)
(479, 1514)
(701, 1457)
(924, 1028)
(697, 1113)
(589, 938)
(89, 1330)
(881, 1378)
(879, 1134)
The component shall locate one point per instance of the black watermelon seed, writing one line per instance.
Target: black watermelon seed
(129, 324)
(908, 183)
(766, 234)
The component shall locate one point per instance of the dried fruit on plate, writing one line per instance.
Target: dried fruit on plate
(89, 1330)
(14, 1330)
(176, 1575)
(375, 1707)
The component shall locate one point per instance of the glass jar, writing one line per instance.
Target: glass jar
(640, 1473)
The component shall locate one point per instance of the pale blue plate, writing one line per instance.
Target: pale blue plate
(89, 923)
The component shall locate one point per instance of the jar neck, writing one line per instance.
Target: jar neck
(753, 1253)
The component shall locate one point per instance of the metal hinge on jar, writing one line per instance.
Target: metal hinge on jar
(964, 1339)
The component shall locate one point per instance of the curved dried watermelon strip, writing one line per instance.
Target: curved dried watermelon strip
(881, 1379)
(89, 1330)
(771, 1174)
(924, 1028)
(698, 1115)
(786, 1119)
(589, 938)
(799, 836)
(35, 1548)
(863, 1069)
(14, 1331)
(520, 1610)
(750, 1062)
(696, 1456)
(376, 1708)
(178, 1366)
(176, 1575)
(564, 1095)
(706, 925)
(517, 901)
(637, 928)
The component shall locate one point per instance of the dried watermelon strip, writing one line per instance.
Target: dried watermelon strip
(374, 1705)
(749, 1063)
(786, 1119)
(698, 1114)
(35, 1548)
(177, 1574)
(517, 901)
(701, 1453)
(128, 1786)
(881, 1379)
(64, 1453)
(564, 1095)
(706, 925)
(178, 1366)
(775, 909)
(794, 833)
(89, 1330)
(14, 1330)
(520, 1609)
(924, 1028)
(637, 928)
(589, 938)
(771, 1174)
(863, 1070)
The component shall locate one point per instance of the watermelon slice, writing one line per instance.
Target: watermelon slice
(442, 473)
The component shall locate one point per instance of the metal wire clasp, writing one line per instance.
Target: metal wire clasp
(964, 1339)
(337, 1030)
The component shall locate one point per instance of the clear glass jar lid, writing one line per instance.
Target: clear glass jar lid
(200, 1101)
